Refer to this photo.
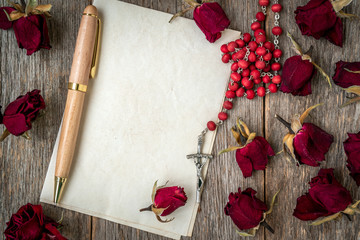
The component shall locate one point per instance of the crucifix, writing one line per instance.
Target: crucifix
(199, 164)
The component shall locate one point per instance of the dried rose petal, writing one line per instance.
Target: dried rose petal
(4, 21)
(326, 197)
(32, 33)
(211, 19)
(311, 144)
(318, 19)
(343, 77)
(245, 209)
(296, 76)
(254, 156)
(352, 150)
(170, 198)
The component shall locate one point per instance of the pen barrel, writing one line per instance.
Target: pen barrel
(79, 75)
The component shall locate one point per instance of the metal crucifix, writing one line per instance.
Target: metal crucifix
(199, 163)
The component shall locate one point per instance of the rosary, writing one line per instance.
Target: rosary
(253, 58)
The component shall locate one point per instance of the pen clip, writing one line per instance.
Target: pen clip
(95, 57)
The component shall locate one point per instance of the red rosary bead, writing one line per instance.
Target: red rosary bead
(260, 64)
(252, 67)
(253, 46)
(267, 68)
(257, 80)
(272, 87)
(234, 66)
(266, 79)
(245, 73)
(250, 94)
(255, 26)
(240, 43)
(247, 37)
(228, 105)
(226, 58)
(260, 16)
(224, 48)
(267, 57)
(211, 125)
(270, 46)
(264, 3)
(260, 91)
(276, 79)
(275, 66)
(252, 57)
(259, 32)
(276, 7)
(222, 116)
(243, 64)
(230, 94)
(277, 53)
(277, 31)
(240, 92)
(233, 86)
(260, 51)
(235, 76)
(260, 39)
(255, 74)
(231, 46)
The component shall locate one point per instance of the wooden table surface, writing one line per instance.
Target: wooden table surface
(23, 163)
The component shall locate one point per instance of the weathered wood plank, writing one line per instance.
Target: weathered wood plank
(293, 180)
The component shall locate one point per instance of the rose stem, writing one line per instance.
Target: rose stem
(146, 209)
(287, 125)
(348, 216)
(267, 226)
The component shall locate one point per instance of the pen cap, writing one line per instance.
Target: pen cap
(84, 49)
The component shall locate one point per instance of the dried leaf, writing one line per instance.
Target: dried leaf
(296, 46)
(15, 15)
(43, 8)
(351, 101)
(154, 191)
(4, 135)
(353, 89)
(179, 14)
(343, 14)
(288, 144)
(322, 73)
(355, 204)
(158, 211)
(192, 3)
(30, 6)
(296, 124)
(236, 135)
(245, 234)
(272, 203)
(250, 138)
(162, 186)
(242, 125)
(326, 219)
(340, 4)
(164, 221)
(229, 149)
(351, 71)
(26, 135)
(307, 111)
(16, 6)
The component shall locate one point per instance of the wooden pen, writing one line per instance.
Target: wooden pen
(81, 70)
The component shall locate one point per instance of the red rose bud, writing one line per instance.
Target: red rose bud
(318, 19)
(347, 74)
(298, 72)
(29, 222)
(247, 211)
(305, 143)
(211, 19)
(352, 150)
(253, 152)
(166, 200)
(4, 21)
(326, 197)
(19, 114)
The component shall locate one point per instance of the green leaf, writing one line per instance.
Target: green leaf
(30, 6)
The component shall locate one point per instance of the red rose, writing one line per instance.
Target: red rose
(19, 114)
(326, 197)
(254, 156)
(32, 33)
(4, 21)
(352, 150)
(311, 144)
(165, 201)
(170, 198)
(318, 19)
(211, 19)
(296, 76)
(30, 223)
(245, 209)
(345, 75)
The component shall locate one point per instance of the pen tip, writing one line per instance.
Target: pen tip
(59, 188)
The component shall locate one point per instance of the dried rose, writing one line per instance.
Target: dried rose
(29, 222)
(209, 17)
(29, 25)
(298, 71)
(253, 152)
(19, 114)
(248, 212)
(326, 198)
(347, 74)
(165, 201)
(321, 18)
(352, 150)
(305, 143)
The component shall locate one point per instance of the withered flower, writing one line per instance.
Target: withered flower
(208, 16)
(165, 201)
(298, 71)
(305, 143)
(248, 212)
(322, 18)
(347, 74)
(253, 151)
(326, 198)
(352, 150)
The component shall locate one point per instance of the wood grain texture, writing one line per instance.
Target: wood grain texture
(23, 164)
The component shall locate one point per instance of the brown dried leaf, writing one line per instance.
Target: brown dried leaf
(242, 125)
(340, 4)
(43, 8)
(179, 14)
(296, 124)
(322, 73)
(272, 203)
(307, 111)
(164, 221)
(351, 101)
(326, 219)
(288, 146)
(351, 71)
(30, 6)
(353, 89)
(157, 211)
(250, 138)
(154, 191)
(4, 135)
(350, 16)
(296, 46)
(236, 135)
(229, 149)
(192, 3)
(26, 135)
(15, 15)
